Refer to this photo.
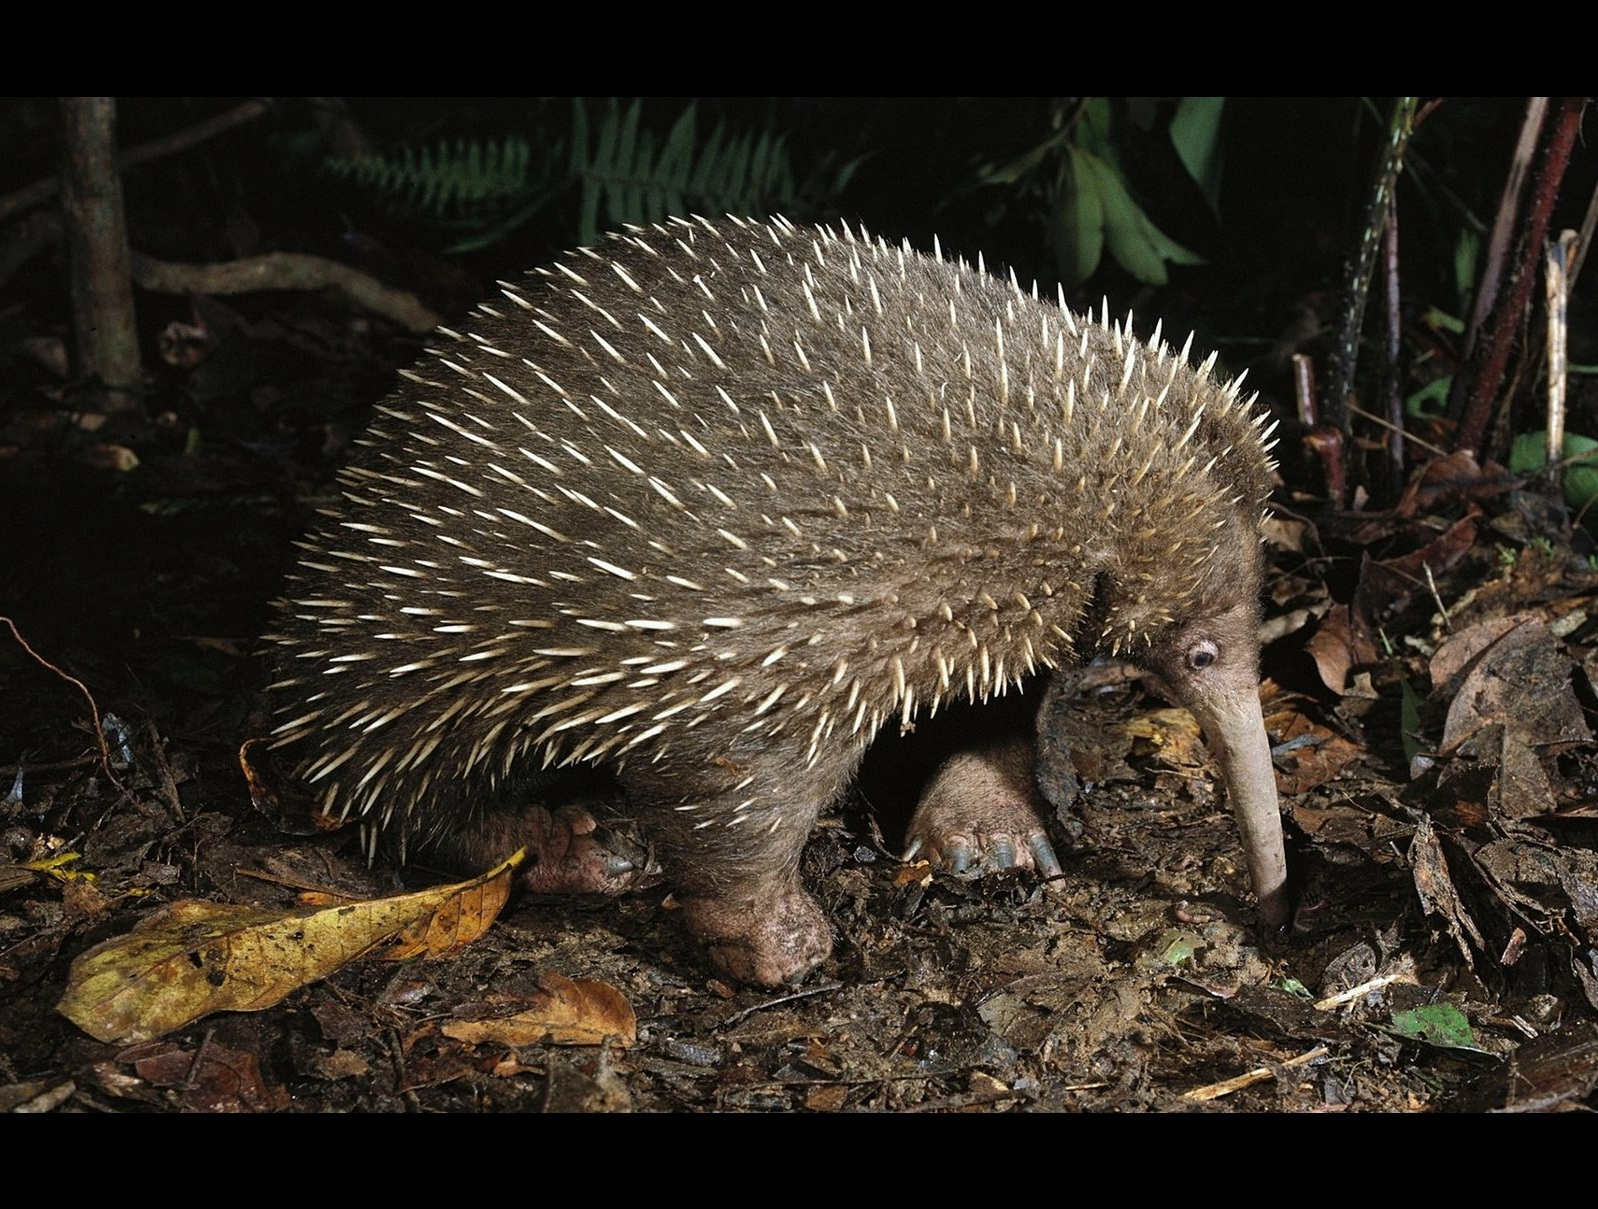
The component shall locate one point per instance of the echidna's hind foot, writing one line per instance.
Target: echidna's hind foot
(769, 940)
(981, 813)
(568, 850)
(731, 827)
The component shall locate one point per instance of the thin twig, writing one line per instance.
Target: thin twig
(806, 993)
(1391, 375)
(1589, 227)
(285, 271)
(1496, 262)
(1356, 285)
(1304, 388)
(1259, 1074)
(1380, 422)
(1431, 586)
(1556, 294)
(94, 710)
(41, 191)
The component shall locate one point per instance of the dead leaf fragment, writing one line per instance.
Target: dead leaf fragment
(1435, 886)
(1172, 733)
(1306, 754)
(1523, 680)
(1459, 651)
(197, 958)
(1338, 646)
(215, 1078)
(460, 917)
(564, 1011)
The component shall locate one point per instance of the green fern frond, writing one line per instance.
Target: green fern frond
(466, 179)
(626, 179)
(622, 171)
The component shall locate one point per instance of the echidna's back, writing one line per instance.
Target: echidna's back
(749, 481)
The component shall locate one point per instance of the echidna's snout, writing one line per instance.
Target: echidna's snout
(1211, 665)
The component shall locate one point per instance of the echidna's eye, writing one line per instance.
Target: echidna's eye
(1201, 654)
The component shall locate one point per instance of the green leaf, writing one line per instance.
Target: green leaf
(1093, 129)
(1528, 453)
(1196, 135)
(1430, 402)
(1442, 321)
(1077, 224)
(1122, 231)
(677, 155)
(700, 183)
(1467, 265)
(1578, 482)
(1440, 1024)
(1178, 946)
(625, 198)
(1408, 720)
(1138, 246)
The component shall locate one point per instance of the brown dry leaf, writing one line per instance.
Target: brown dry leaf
(829, 1097)
(565, 1011)
(1306, 754)
(1521, 788)
(1456, 653)
(1289, 533)
(1522, 680)
(915, 873)
(287, 804)
(1393, 580)
(197, 958)
(460, 917)
(1539, 881)
(216, 1078)
(1337, 648)
(81, 899)
(1456, 476)
(12, 876)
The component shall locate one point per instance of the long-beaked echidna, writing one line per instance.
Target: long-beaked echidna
(711, 504)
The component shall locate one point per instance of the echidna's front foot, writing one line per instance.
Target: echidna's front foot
(569, 852)
(769, 940)
(980, 813)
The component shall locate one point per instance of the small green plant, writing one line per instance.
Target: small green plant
(481, 188)
(1578, 481)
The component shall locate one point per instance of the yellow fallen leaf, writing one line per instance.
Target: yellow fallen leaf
(59, 867)
(197, 958)
(565, 1011)
(460, 916)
